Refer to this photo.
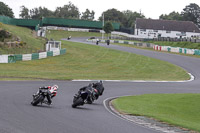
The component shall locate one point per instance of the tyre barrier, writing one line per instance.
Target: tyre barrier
(177, 50)
(28, 57)
(155, 47)
(138, 44)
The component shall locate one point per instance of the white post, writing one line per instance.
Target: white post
(102, 27)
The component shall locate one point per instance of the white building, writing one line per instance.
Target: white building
(53, 45)
(149, 28)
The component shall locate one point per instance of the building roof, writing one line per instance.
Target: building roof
(168, 25)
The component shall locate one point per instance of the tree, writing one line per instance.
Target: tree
(67, 11)
(108, 28)
(131, 18)
(114, 15)
(172, 16)
(5, 10)
(88, 15)
(192, 13)
(24, 13)
(38, 13)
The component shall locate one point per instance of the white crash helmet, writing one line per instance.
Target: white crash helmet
(55, 87)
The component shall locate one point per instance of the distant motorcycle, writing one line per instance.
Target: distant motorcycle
(44, 92)
(88, 94)
(69, 38)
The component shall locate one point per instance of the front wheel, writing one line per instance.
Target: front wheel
(37, 100)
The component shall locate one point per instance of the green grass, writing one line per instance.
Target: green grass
(84, 61)
(189, 45)
(57, 35)
(34, 44)
(178, 109)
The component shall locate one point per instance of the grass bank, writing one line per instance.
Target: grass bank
(84, 61)
(178, 109)
(33, 43)
(57, 35)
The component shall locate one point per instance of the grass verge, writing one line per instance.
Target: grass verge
(84, 61)
(33, 43)
(178, 109)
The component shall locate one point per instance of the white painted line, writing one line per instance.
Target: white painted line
(140, 122)
(104, 103)
(141, 81)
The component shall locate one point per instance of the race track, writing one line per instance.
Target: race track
(18, 116)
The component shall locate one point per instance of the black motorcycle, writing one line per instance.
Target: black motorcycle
(88, 94)
(39, 97)
(85, 95)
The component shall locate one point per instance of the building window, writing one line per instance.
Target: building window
(168, 31)
(183, 33)
(142, 29)
(155, 30)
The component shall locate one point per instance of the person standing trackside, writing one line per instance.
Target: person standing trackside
(97, 41)
(108, 42)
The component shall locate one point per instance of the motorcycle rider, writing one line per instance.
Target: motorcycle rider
(52, 91)
(98, 86)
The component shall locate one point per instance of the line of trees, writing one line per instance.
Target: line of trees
(190, 13)
(5, 10)
(125, 18)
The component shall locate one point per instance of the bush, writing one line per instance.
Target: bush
(4, 34)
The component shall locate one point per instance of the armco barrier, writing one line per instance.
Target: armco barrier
(56, 52)
(27, 57)
(62, 51)
(127, 42)
(35, 56)
(11, 59)
(116, 41)
(7, 59)
(49, 53)
(177, 50)
(3, 58)
(18, 57)
(180, 50)
(197, 52)
(42, 55)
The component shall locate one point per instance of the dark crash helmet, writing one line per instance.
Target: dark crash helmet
(100, 81)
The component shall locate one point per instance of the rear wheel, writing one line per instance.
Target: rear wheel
(37, 100)
(76, 102)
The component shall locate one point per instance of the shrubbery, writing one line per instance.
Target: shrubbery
(4, 34)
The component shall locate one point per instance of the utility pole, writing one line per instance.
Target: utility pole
(102, 27)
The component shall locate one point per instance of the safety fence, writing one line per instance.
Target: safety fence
(27, 57)
(138, 44)
(155, 47)
(177, 50)
(34, 23)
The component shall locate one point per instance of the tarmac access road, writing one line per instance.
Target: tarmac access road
(17, 115)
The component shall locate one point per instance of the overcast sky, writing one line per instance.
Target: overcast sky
(150, 8)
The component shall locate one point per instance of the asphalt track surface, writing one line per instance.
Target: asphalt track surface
(18, 116)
